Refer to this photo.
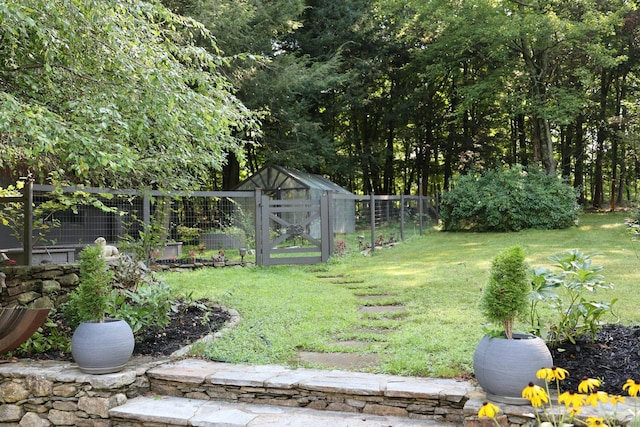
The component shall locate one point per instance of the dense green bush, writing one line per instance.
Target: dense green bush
(509, 199)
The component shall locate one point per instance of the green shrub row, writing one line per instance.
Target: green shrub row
(509, 199)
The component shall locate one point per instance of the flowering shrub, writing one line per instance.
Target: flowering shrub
(547, 414)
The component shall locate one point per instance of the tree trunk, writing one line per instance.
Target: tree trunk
(231, 172)
(389, 176)
(578, 173)
(565, 148)
(601, 136)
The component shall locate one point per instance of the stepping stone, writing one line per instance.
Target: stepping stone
(373, 297)
(353, 344)
(382, 309)
(339, 360)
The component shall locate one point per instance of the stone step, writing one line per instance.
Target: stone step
(361, 394)
(178, 411)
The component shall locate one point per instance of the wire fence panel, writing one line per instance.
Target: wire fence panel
(381, 220)
(202, 225)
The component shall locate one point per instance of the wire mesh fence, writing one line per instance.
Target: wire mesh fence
(194, 225)
(382, 220)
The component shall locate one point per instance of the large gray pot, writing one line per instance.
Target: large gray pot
(505, 367)
(102, 348)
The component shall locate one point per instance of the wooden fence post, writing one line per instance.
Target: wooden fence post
(372, 209)
(402, 217)
(27, 229)
(258, 224)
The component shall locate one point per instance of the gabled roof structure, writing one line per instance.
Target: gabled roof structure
(273, 178)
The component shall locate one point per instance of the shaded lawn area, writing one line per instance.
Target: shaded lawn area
(437, 277)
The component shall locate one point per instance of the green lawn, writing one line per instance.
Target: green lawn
(438, 277)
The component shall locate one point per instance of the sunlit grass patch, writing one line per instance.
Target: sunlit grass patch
(437, 278)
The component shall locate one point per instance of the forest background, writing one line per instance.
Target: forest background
(381, 96)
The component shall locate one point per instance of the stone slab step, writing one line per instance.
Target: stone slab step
(330, 390)
(179, 411)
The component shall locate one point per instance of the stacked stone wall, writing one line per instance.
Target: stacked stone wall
(45, 286)
(48, 393)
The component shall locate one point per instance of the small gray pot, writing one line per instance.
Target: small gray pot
(102, 348)
(505, 367)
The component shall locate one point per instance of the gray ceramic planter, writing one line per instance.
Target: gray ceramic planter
(505, 367)
(102, 348)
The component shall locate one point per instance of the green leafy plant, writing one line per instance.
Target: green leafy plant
(146, 242)
(506, 295)
(189, 235)
(89, 301)
(543, 289)
(149, 305)
(578, 317)
(52, 336)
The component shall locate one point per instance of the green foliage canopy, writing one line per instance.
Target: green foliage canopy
(509, 199)
(112, 93)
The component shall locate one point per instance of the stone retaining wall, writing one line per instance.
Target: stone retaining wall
(434, 409)
(48, 393)
(48, 285)
(45, 286)
(441, 400)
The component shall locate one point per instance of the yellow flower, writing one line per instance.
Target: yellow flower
(595, 397)
(544, 373)
(574, 411)
(552, 374)
(588, 384)
(633, 387)
(570, 398)
(614, 400)
(595, 421)
(535, 394)
(488, 410)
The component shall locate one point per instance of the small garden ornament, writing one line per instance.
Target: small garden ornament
(109, 252)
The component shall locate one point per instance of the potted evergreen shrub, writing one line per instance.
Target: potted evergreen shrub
(99, 345)
(506, 362)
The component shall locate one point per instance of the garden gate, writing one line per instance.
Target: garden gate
(293, 231)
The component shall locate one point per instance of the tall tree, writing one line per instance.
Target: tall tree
(112, 93)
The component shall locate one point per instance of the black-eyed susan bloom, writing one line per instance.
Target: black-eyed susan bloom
(570, 398)
(587, 385)
(615, 399)
(632, 387)
(574, 411)
(552, 374)
(535, 394)
(596, 396)
(596, 422)
(488, 410)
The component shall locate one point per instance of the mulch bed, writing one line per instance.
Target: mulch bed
(613, 357)
(188, 323)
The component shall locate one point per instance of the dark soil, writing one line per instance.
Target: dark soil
(188, 324)
(613, 357)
